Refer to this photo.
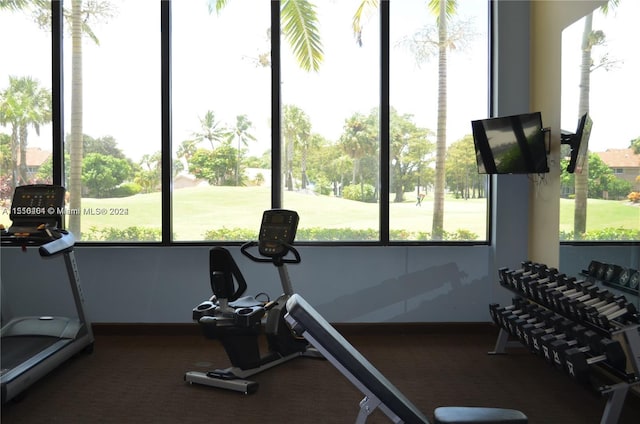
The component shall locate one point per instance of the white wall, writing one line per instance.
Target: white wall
(347, 284)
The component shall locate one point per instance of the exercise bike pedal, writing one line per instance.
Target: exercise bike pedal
(222, 374)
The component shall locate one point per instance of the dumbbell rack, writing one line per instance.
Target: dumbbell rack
(615, 384)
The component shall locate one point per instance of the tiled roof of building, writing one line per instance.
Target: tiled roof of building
(620, 158)
(36, 156)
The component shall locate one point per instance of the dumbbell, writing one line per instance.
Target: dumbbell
(530, 287)
(577, 289)
(561, 284)
(531, 333)
(509, 276)
(588, 291)
(524, 311)
(591, 312)
(604, 319)
(503, 276)
(515, 321)
(593, 306)
(570, 287)
(576, 336)
(634, 279)
(565, 331)
(577, 363)
(542, 336)
(495, 309)
(594, 292)
(518, 280)
(542, 318)
(546, 278)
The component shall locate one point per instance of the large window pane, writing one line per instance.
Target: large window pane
(330, 125)
(435, 93)
(600, 76)
(25, 103)
(113, 120)
(221, 120)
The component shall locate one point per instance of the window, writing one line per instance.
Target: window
(600, 204)
(25, 104)
(330, 125)
(113, 121)
(361, 151)
(419, 203)
(221, 103)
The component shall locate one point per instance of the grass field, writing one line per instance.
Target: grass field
(199, 209)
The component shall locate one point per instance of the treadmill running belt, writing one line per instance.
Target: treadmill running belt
(18, 349)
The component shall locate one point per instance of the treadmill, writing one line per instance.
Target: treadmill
(32, 346)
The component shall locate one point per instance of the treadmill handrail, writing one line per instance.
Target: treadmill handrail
(63, 244)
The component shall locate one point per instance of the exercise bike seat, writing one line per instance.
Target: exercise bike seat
(245, 302)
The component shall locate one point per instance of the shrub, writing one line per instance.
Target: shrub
(360, 192)
(336, 234)
(126, 190)
(606, 234)
(634, 197)
(122, 234)
(230, 234)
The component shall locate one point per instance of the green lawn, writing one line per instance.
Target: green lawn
(198, 209)
(602, 214)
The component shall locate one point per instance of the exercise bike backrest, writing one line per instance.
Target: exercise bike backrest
(223, 269)
(277, 233)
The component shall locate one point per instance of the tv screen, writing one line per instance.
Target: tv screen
(579, 142)
(510, 144)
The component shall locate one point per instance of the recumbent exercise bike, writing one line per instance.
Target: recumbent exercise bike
(238, 321)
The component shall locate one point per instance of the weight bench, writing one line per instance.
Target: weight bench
(378, 391)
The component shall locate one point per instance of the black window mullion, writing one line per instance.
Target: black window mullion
(384, 121)
(165, 22)
(57, 84)
(276, 145)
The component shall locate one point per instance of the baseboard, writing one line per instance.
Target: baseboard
(190, 329)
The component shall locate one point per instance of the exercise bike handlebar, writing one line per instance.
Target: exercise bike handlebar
(276, 259)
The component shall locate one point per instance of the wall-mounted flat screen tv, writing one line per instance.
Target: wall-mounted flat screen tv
(510, 144)
(579, 142)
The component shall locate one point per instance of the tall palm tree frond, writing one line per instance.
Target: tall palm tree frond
(216, 5)
(363, 11)
(300, 28)
(451, 7)
(609, 6)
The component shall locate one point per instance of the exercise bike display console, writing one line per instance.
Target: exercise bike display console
(277, 232)
(237, 321)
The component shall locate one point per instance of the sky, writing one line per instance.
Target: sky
(614, 92)
(214, 69)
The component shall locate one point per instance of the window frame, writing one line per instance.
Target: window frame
(276, 179)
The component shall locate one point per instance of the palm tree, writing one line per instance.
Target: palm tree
(212, 130)
(300, 28)
(444, 10)
(22, 105)
(590, 39)
(79, 19)
(359, 140)
(296, 129)
(241, 133)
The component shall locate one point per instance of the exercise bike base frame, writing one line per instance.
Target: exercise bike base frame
(237, 380)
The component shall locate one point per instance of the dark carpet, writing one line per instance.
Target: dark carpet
(136, 376)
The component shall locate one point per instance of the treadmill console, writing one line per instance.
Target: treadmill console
(277, 232)
(37, 204)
